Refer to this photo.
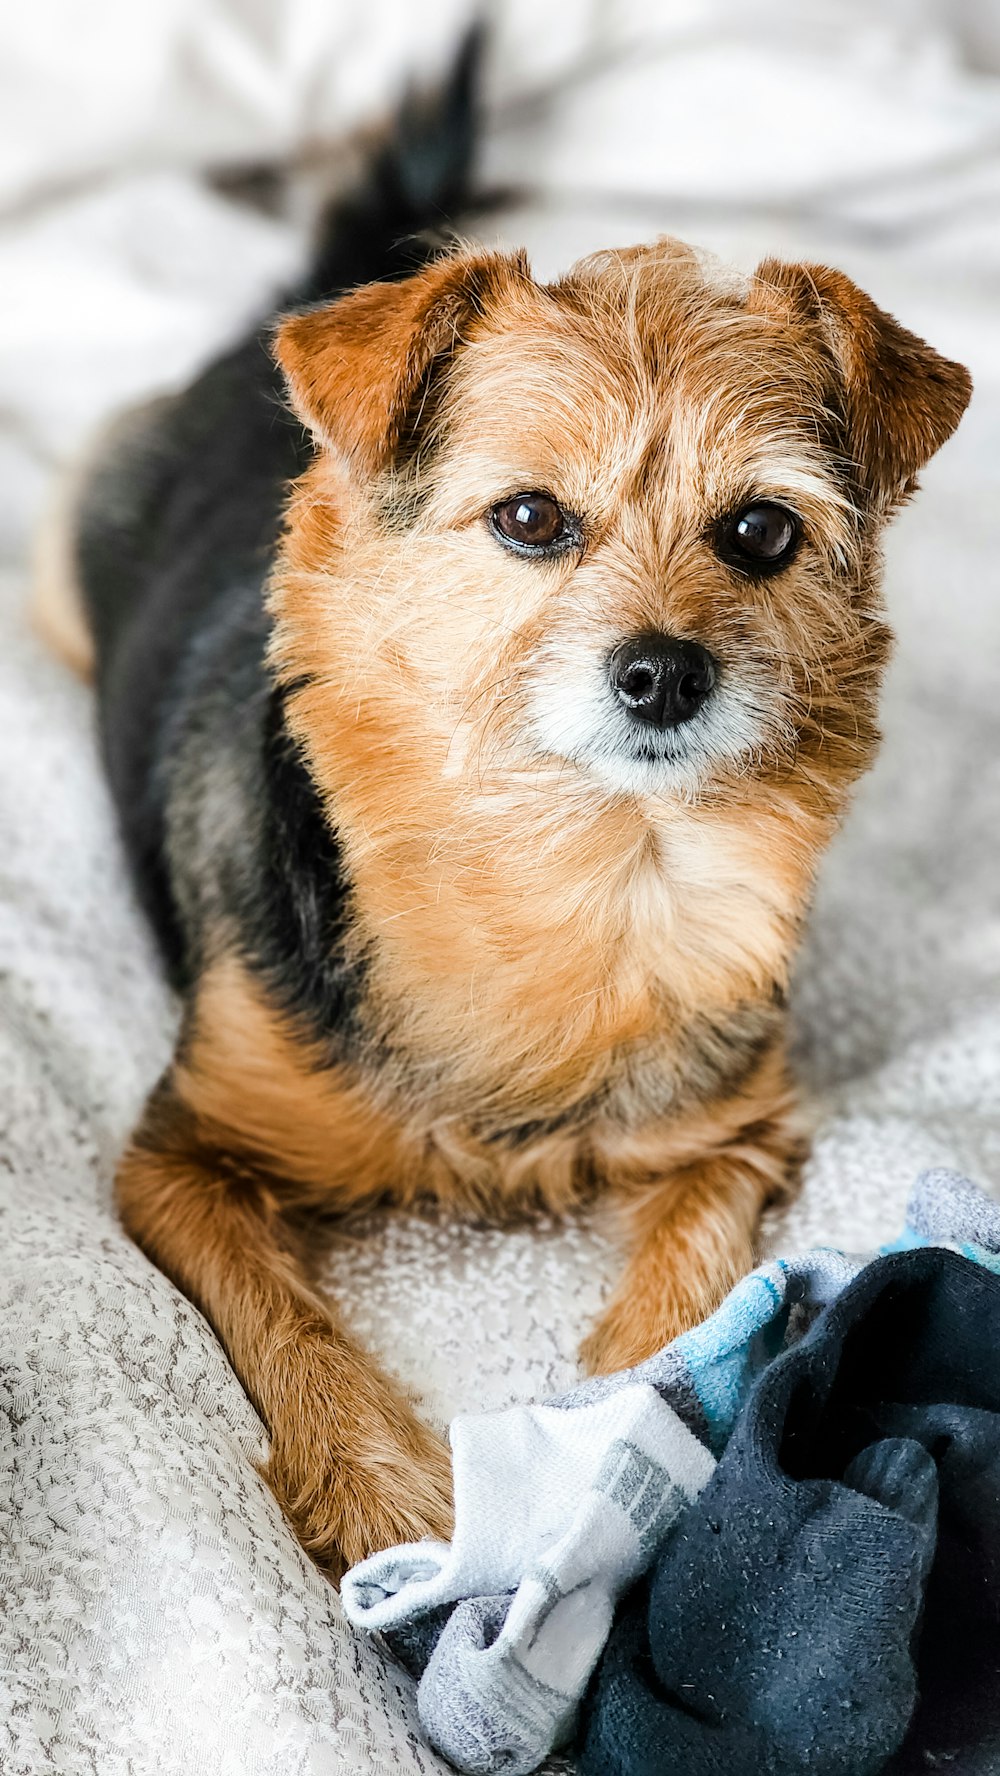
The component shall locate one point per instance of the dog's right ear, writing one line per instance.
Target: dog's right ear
(357, 368)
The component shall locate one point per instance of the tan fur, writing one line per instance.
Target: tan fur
(620, 909)
(258, 1089)
(349, 1463)
(574, 982)
(57, 602)
(694, 1221)
(248, 1133)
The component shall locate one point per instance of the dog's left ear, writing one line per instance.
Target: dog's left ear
(357, 368)
(901, 399)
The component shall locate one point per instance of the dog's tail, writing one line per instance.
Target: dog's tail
(414, 183)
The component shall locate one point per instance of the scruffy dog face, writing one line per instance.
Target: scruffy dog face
(698, 573)
(622, 527)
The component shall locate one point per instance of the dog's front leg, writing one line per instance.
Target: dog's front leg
(351, 1465)
(693, 1231)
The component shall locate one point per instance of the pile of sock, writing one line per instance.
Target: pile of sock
(843, 1560)
(825, 1598)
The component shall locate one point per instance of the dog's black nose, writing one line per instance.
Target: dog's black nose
(659, 680)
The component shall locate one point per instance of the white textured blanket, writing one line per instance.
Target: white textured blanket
(157, 1619)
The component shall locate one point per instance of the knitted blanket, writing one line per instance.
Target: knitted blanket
(158, 1618)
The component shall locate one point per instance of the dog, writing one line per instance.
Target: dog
(483, 666)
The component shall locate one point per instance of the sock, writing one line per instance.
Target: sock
(556, 1512)
(785, 1613)
(957, 1722)
(947, 1209)
(780, 1623)
(522, 1480)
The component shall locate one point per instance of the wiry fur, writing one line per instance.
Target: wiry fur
(444, 926)
(534, 915)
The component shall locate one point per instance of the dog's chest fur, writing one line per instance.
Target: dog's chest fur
(585, 959)
(549, 1029)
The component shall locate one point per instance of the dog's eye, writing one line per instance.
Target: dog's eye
(761, 536)
(530, 521)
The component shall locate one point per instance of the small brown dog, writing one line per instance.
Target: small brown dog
(480, 846)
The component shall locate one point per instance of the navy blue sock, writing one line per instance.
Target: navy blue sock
(779, 1629)
(781, 1625)
(957, 1722)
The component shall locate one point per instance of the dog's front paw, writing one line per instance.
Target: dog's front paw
(393, 1486)
(618, 1341)
(638, 1323)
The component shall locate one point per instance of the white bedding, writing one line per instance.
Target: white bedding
(157, 1618)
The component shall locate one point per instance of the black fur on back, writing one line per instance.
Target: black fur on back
(176, 535)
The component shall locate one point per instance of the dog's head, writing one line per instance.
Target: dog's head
(622, 529)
